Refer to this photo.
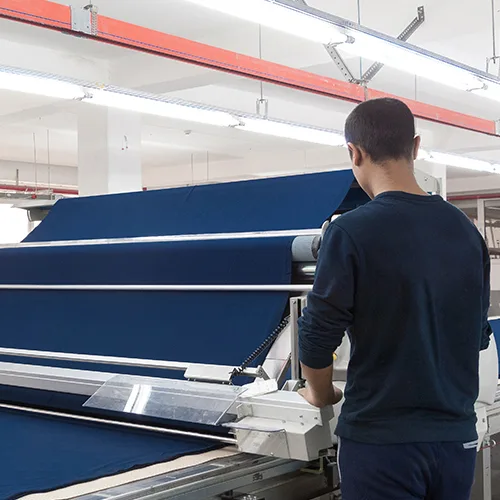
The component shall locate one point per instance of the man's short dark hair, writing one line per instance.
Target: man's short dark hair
(384, 128)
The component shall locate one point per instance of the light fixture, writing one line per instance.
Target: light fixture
(39, 85)
(291, 131)
(462, 162)
(175, 110)
(297, 19)
(406, 59)
(272, 15)
(418, 62)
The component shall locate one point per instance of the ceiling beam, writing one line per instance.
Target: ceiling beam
(55, 16)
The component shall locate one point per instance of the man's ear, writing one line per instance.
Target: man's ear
(356, 154)
(416, 146)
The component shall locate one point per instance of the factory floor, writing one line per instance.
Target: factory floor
(495, 473)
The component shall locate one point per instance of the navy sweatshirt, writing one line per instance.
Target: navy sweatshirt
(407, 277)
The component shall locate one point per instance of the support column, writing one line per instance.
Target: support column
(438, 172)
(109, 151)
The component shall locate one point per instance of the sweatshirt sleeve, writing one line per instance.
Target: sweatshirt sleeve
(330, 304)
(486, 327)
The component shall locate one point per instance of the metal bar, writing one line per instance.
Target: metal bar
(481, 219)
(117, 423)
(57, 17)
(341, 64)
(111, 360)
(294, 318)
(166, 239)
(50, 378)
(404, 36)
(161, 288)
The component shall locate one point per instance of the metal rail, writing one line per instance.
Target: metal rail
(117, 423)
(166, 239)
(161, 288)
(113, 360)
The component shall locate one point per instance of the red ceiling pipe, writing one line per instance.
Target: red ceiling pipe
(464, 197)
(57, 17)
(34, 190)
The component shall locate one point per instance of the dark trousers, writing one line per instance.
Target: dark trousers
(422, 471)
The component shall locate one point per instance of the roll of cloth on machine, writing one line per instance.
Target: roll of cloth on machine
(211, 327)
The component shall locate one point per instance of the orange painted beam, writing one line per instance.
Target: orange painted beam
(58, 17)
(442, 115)
(38, 12)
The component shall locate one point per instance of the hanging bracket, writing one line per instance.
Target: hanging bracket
(84, 19)
(376, 67)
(404, 36)
(262, 107)
(331, 48)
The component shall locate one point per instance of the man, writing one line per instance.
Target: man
(407, 275)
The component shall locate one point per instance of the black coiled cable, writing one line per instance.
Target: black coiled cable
(265, 344)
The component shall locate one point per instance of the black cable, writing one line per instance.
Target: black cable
(265, 344)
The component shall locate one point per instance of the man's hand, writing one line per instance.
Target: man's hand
(334, 397)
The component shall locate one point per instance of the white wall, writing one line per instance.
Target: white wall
(14, 225)
(495, 274)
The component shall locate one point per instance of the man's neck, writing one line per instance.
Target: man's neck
(396, 178)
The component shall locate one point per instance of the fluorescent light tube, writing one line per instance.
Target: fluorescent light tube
(160, 108)
(291, 131)
(38, 85)
(377, 49)
(462, 162)
(278, 17)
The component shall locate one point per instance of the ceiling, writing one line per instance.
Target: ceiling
(36, 131)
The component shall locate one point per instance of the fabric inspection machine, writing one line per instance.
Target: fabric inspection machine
(150, 344)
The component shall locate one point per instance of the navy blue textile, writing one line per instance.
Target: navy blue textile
(296, 202)
(220, 328)
(425, 471)
(209, 327)
(238, 261)
(63, 452)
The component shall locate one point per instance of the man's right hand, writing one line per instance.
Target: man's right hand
(333, 398)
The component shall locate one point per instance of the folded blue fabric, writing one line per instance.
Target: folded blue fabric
(42, 453)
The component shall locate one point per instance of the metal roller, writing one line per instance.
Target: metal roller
(306, 248)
